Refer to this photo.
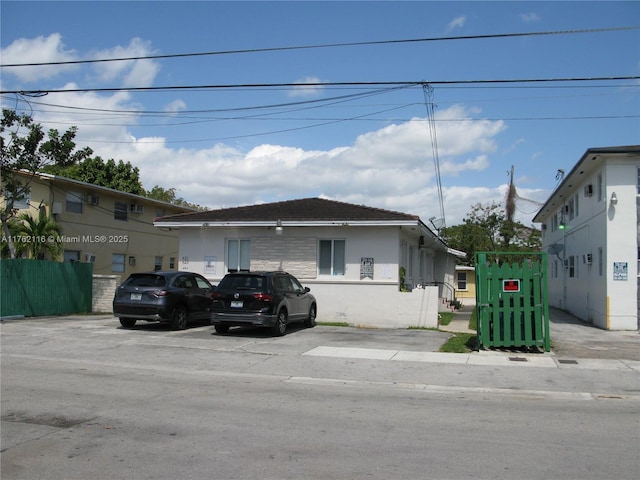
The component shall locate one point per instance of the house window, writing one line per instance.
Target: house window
(120, 211)
(462, 280)
(555, 269)
(554, 223)
(331, 259)
(573, 207)
(572, 266)
(172, 262)
(158, 264)
(74, 202)
(22, 203)
(117, 262)
(238, 255)
(71, 256)
(599, 188)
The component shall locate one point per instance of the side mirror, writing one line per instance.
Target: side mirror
(307, 289)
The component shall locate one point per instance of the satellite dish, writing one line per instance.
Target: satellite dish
(555, 249)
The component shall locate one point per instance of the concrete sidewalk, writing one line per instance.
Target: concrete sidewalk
(570, 337)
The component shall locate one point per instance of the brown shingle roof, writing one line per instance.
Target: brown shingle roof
(306, 209)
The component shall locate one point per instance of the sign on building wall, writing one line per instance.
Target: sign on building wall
(366, 267)
(210, 265)
(620, 270)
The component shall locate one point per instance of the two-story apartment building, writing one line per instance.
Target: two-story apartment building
(110, 228)
(591, 230)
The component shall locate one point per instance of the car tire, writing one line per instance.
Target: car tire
(221, 328)
(179, 318)
(310, 321)
(280, 327)
(127, 322)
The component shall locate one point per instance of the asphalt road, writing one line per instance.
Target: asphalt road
(84, 399)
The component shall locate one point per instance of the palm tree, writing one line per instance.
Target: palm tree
(42, 235)
(15, 230)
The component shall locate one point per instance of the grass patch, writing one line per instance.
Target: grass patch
(446, 317)
(334, 324)
(460, 343)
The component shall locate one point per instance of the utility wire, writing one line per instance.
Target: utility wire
(326, 45)
(318, 84)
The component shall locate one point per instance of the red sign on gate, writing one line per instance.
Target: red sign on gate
(511, 286)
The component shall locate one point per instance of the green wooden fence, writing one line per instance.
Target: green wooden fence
(511, 300)
(39, 287)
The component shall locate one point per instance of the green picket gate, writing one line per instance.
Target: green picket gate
(512, 308)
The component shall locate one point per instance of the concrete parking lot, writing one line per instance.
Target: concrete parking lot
(83, 398)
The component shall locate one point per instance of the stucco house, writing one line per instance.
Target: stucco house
(591, 230)
(349, 255)
(465, 285)
(110, 228)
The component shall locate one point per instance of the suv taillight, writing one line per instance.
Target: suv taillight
(263, 297)
(215, 295)
(160, 293)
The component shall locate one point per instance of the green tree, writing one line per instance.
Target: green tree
(119, 176)
(486, 229)
(41, 235)
(169, 196)
(23, 148)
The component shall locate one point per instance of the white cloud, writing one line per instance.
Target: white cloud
(306, 90)
(389, 168)
(530, 17)
(175, 106)
(37, 50)
(457, 22)
(132, 73)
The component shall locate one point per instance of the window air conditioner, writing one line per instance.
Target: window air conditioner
(90, 258)
(136, 208)
(93, 200)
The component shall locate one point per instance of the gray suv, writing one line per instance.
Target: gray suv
(262, 299)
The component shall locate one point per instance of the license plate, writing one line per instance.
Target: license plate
(136, 296)
(236, 304)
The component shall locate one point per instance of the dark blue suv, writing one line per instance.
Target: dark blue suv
(262, 299)
(165, 297)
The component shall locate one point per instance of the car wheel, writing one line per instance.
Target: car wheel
(127, 322)
(179, 318)
(280, 328)
(310, 322)
(221, 328)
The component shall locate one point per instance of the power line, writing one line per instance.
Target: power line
(320, 84)
(327, 45)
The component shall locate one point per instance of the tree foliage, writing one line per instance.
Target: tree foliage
(119, 176)
(43, 235)
(487, 229)
(25, 148)
(168, 195)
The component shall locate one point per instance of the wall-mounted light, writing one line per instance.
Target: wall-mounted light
(279, 227)
(614, 199)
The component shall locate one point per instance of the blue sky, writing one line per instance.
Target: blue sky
(368, 145)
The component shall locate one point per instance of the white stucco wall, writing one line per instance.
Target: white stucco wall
(622, 245)
(608, 233)
(371, 302)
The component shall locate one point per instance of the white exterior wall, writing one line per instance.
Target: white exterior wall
(622, 245)
(359, 301)
(609, 234)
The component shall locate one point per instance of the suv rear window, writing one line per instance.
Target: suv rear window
(146, 280)
(242, 282)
